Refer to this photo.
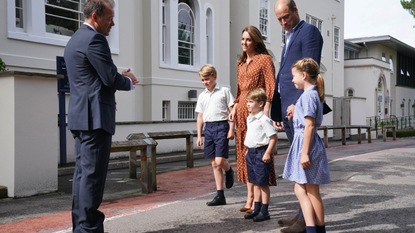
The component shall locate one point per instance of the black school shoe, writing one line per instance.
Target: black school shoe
(229, 178)
(261, 217)
(217, 201)
(251, 215)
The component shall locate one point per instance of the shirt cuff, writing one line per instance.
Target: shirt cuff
(131, 83)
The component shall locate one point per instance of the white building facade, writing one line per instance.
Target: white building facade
(165, 43)
(381, 70)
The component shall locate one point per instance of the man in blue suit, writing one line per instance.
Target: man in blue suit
(303, 40)
(93, 80)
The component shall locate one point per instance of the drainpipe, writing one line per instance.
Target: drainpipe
(333, 17)
(367, 49)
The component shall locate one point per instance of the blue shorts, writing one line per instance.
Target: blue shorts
(258, 171)
(216, 141)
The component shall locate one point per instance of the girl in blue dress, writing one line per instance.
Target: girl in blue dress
(307, 163)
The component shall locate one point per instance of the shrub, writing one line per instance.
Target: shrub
(401, 133)
(2, 65)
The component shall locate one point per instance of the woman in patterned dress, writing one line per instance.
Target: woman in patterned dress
(255, 70)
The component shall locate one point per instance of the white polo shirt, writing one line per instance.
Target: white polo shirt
(259, 130)
(214, 105)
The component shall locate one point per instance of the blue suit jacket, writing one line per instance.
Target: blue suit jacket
(93, 80)
(306, 41)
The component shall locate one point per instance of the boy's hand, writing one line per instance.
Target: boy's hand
(266, 158)
(231, 134)
(199, 142)
(232, 116)
(305, 161)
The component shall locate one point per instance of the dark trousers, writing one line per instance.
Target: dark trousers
(92, 150)
(289, 129)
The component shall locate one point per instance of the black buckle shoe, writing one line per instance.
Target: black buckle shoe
(229, 179)
(217, 201)
(261, 217)
(251, 215)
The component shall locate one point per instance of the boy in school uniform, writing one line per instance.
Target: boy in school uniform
(260, 139)
(213, 106)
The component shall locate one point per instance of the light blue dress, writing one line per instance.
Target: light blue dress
(307, 105)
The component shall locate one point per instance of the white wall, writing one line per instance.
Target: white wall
(362, 76)
(29, 161)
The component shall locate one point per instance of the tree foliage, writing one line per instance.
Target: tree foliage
(409, 5)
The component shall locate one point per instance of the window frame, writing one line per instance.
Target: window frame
(171, 52)
(192, 43)
(35, 25)
(23, 18)
(165, 113)
(266, 37)
(185, 110)
(210, 35)
(283, 37)
(308, 19)
(336, 50)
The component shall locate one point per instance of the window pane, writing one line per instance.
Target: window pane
(19, 14)
(185, 34)
(186, 111)
(63, 17)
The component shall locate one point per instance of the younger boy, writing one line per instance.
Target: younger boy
(260, 139)
(213, 106)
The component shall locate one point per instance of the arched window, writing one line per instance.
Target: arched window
(350, 92)
(186, 34)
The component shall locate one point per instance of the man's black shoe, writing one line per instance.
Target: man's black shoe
(217, 201)
(261, 217)
(229, 178)
(251, 215)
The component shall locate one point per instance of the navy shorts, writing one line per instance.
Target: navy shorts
(258, 171)
(216, 141)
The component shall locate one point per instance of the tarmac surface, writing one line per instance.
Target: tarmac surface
(372, 190)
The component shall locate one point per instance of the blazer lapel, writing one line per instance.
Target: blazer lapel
(294, 35)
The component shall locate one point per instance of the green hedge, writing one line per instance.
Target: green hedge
(401, 133)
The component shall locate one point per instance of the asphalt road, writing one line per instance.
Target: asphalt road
(372, 190)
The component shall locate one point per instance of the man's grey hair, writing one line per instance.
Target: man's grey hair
(96, 6)
(290, 4)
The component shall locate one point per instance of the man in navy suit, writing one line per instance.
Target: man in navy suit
(303, 40)
(93, 80)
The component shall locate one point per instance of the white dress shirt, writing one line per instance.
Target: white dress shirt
(259, 130)
(214, 105)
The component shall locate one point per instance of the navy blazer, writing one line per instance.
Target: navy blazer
(306, 41)
(93, 80)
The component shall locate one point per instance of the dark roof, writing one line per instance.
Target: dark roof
(387, 41)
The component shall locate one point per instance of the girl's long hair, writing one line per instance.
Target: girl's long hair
(256, 37)
(311, 68)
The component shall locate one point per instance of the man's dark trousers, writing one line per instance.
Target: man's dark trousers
(92, 150)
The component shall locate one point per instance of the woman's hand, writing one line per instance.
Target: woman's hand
(278, 125)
